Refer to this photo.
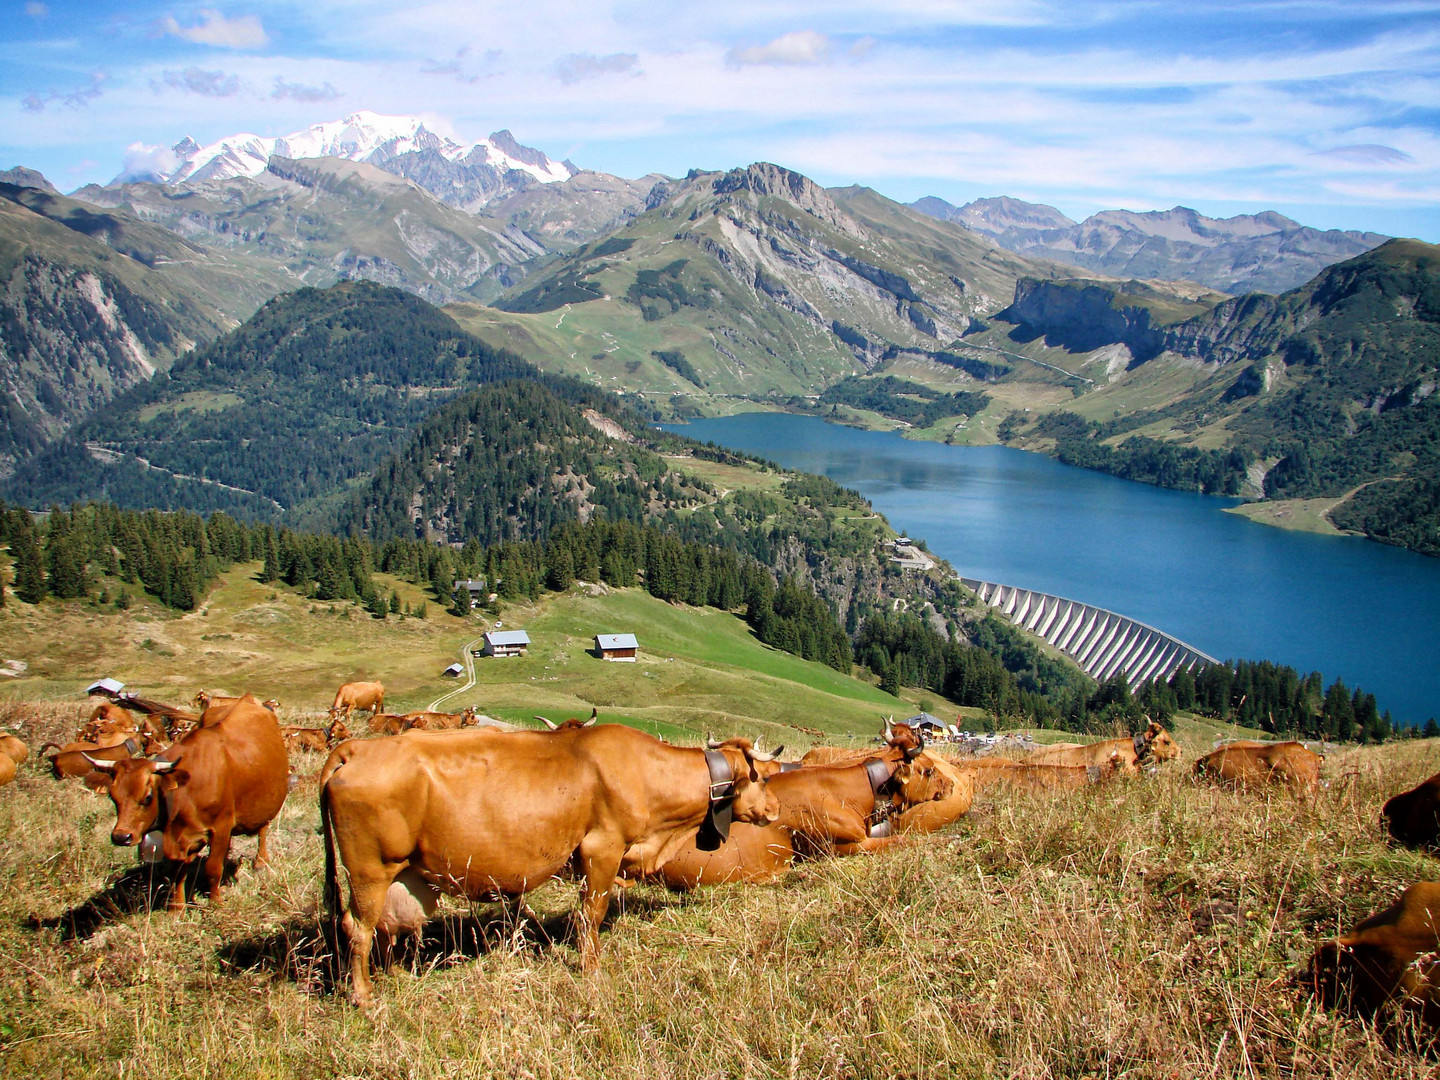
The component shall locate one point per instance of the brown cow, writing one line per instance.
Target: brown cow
(14, 748)
(1413, 816)
(7, 769)
(313, 738)
(566, 725)
(488, 814)
(900, 736)
(1154, 743)
(988, 771)
(823, 808)
(74, 758)
(358, 695)
(205, 700)
(386, 723)
(933, 814)
(1390, 957)
(1246, 764)
(424, 720)
(228, 777)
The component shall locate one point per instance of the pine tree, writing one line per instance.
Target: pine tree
(395, 603)
(29, 564)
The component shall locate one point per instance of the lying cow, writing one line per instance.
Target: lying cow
(842, 809)
(312, 738)
(990, 771)
(358, 695)
(228, 777)
(491, 815)
(1413, 817)
(1248, 764)
(7, 769)
(1122, 755)
(13, 747)
(1390, 957)
(75, 759)
(566, 725)
(425, 720)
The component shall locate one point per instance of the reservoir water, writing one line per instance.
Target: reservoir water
(1344, 606)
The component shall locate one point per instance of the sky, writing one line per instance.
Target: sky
(1326, 110)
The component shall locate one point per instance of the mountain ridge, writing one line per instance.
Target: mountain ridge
(1262, 252)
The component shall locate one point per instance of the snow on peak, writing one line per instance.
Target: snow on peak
(361, 136)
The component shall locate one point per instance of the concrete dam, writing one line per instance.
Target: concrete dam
(1100, 641)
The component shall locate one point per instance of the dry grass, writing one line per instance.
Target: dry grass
(1137, 929)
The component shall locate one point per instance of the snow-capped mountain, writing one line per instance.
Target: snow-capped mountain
(362, 136)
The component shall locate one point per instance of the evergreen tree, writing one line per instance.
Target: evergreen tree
(395, 603)
(1432, 729)
(29, 563)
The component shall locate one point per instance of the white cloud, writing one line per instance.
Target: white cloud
(194, 80)
(36, 10)
(579, 66)
(144, 162)
(798, 47)
(1368, 154)
(244, 32)
(302, 92)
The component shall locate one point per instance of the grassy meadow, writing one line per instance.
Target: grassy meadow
(700, 670)
(1147, 929)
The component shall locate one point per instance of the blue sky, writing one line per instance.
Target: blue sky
(1326, 111)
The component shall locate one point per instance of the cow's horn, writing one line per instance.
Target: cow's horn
(166, 766)
(756, 755)
(99, 763)
(713, 743)
(777, 751)
(547, 723)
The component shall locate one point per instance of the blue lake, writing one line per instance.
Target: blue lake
(1344, 606)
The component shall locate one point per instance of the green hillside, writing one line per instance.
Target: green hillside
(92, 303)
(701, 670)
(752, 283)
(302, 399)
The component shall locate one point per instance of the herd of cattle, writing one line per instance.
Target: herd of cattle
(458, 804)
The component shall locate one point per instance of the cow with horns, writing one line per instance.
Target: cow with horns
(491, 815)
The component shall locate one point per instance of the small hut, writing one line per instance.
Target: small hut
(619, 647)
(107, 687)
(454, 671)
(477, 590)
(505, 643)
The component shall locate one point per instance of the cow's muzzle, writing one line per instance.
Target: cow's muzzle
(122, 839)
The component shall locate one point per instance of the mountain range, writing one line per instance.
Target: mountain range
(694, 293)
(1266, 252)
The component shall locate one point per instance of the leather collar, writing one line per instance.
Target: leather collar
(720, 812)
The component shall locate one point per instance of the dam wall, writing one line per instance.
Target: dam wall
(1099, 641)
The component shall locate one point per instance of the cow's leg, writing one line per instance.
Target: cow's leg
(215, 864)
(870, 843)
(262, 856)
(176, 902)
(600, 864)
(367, 909)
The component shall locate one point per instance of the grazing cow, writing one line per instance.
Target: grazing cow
(490, 815)
(228, 777)
(13, 747)
(1390, 957)
(1413, 817)
(823, 808)
(572, 723)
(358, 695)
(1152, 744)
(1246, 764)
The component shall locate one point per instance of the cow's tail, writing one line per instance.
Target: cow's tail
(330, 908)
